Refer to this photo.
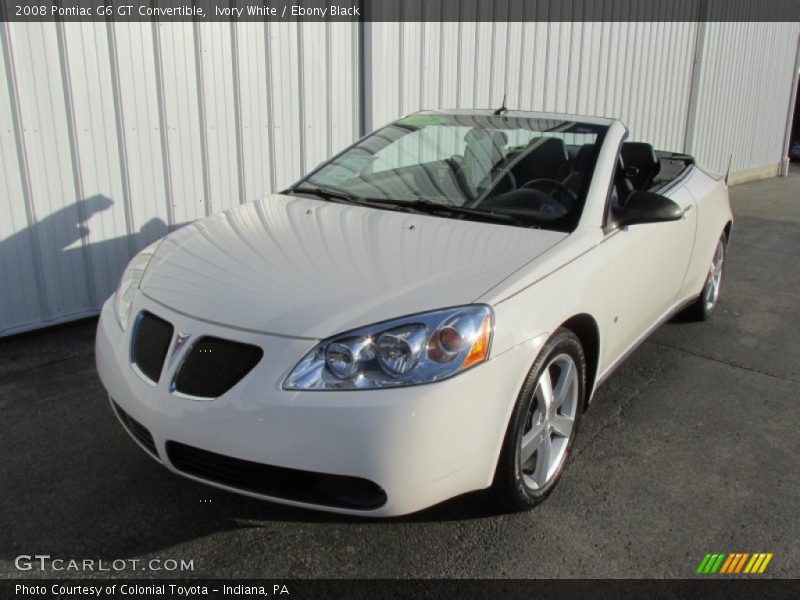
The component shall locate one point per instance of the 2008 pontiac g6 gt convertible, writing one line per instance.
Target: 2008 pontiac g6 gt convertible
(426, 314)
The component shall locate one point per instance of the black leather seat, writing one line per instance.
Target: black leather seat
(484, 150)
(582, 162)
(545, 159)
(622, 186)
(581, 167)
(641, 164)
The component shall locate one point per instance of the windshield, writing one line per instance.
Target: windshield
(534, 172)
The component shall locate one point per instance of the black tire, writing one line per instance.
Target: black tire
(509, 488)
(700, 310)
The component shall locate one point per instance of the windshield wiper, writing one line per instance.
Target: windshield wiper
(428, 207)
(415, 206)
(329, 194)
(343, 198)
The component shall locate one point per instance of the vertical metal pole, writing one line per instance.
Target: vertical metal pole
(787, 137)
(697, 69)
(364, 70)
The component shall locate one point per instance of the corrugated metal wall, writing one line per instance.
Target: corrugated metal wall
(744, 94)
(113, 134)
(639, 72)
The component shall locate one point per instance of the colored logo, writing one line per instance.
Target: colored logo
(731, 564)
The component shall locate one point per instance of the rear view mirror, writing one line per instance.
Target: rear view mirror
(647, 207)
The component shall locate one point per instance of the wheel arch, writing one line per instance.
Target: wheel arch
(727, 229)
(585, 327)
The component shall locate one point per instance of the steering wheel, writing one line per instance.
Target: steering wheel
(555, 185)
(457, 161)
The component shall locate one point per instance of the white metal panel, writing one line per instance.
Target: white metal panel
(385, 51)
(22, 300)
(448, 73)
(105, 233)
(59, 223)
(219, 114)
(113, 133)
(744, 94)
(255, 94)
(639, 72)
(177, 61)
(288, 136)
(344, 114)
(315, 92)
(138, 83)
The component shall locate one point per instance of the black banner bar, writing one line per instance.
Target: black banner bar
(401, 10)
(730, 588)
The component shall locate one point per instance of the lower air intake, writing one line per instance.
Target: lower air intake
(136, 430)
(338, 491)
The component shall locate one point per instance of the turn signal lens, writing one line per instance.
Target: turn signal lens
(445, 344)
(480, 348)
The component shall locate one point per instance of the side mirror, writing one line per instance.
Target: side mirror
(647, 207)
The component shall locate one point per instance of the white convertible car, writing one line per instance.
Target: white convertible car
(426, 314)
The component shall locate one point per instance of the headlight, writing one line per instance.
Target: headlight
(407, 351)
(129, 283)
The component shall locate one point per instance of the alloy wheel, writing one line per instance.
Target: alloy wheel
(550, 421)
(711, 291)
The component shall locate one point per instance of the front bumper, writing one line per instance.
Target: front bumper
(421, 445)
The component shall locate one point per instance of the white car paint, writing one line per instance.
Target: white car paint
(628, 280)
(285, 272)
(308, 268)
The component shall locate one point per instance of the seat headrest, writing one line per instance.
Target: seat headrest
(543, 158)
(484, 150)
(550, 147)
(498, 138)
(583, 159)
(640, 155)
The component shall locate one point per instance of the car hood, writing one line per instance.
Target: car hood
(308, 268)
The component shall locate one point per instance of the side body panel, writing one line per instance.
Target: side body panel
(642, 272)
(713, 214)
(629, 281)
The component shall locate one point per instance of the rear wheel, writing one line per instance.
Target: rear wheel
(543, 424)
(704, 306)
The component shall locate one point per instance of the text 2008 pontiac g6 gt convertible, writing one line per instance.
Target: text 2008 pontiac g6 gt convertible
(426, 314)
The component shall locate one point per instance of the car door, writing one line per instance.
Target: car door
(645, 265)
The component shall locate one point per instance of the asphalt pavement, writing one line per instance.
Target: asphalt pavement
(692, 446)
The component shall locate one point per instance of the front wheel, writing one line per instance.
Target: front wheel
(543, 424)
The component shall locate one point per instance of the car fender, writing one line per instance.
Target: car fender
(713, 215)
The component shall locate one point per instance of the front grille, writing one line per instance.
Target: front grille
(338, 491)
(213, 366)
(151, 340)
(135, 429)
